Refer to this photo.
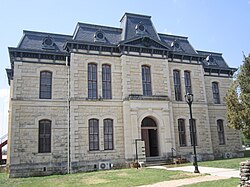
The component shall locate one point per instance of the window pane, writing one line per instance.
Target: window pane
(220, 129)
(187, 82)
(44, 145)
(108, 134)
(182, 132)
(93, 134)
(106, 81)
(177, 85)
(92, 81)
(215, 90)
(193, 130)
(146, 81)
(45, 85)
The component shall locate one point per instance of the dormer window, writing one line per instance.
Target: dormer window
(99, 36)
(210, 60)
(48, 43)
(140, 28)
(175, 44)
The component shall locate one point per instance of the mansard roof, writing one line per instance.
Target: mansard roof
(33, 40)
(213, 59)
(136, 33)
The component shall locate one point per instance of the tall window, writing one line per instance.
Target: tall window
(187, 82)
(177, 85)
(193, 129)
(108, 134)
(182, 132)
(216, 94)
(45, 85)
(44, 142)
(92, 81)
(146, 81)
(220, 129)
(93, 134)
(106, 81)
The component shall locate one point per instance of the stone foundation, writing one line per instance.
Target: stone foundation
(245, 174)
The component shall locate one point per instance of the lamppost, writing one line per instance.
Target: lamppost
(189, 99)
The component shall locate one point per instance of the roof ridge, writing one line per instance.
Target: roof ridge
(163, 34)
(48, 33)
(211, 52)
(103, 26)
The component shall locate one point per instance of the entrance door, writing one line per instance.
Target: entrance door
(149, 136)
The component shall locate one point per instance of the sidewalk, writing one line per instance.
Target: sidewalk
(215, 174)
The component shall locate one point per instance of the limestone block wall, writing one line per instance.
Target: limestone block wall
(200, 114)
(79, 75)
(132, 75)
(27, 80)
(197, 80)
(26, 111)
(82, 158)
(24, 157)
(232, 145)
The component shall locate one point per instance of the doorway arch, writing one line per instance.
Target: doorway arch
(149, 134)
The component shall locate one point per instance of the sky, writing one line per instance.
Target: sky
(218, 26)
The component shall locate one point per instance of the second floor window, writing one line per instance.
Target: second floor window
(182, 132)
(220, 129)
(177, 85)
(93, 134)
(216, 94)
(146, 81)
(92, 81)
(193, 130)
(44, 142)
(106, 81)
(187, 82)
(45, 85)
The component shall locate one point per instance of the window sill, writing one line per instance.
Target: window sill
(43, 154)
(102, 151)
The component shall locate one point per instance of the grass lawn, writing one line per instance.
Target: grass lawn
(123, 177)
(232, 182)
(233, 163)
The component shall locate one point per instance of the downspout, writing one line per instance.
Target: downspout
(68, 107)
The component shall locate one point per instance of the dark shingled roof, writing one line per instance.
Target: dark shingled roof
(184, 45)
(217, 60)
(34, 41)
(129, 22)
(85, 32)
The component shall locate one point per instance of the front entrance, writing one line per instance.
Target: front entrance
(149, 136)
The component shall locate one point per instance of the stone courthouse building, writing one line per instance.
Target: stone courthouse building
(79, 102)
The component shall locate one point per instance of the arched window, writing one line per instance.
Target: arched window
(187, 79)
(92, 81)
(93, 134)
(182, 132)
(45, 85)
(146, 81)
(216, 94)
(44, 141)
(220, 129)
(177, 85)
(106, 81)
(193, 130)
(108, 134)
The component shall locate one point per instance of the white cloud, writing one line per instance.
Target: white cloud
(4, 107)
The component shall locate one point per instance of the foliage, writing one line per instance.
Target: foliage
(122, 177)
(238, 100)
